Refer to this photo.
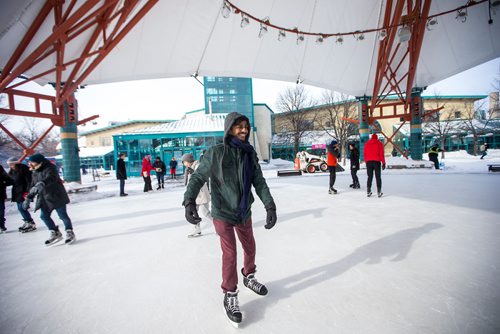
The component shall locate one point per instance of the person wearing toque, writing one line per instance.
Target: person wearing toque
(232, 168)
(48, 191)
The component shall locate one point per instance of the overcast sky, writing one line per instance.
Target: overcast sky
(171, 98)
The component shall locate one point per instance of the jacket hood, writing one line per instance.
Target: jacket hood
(374, 136)
(229, 122)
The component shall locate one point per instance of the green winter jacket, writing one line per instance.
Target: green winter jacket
(223, 166)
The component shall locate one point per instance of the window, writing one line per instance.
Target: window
(458, 114)
(328, 124)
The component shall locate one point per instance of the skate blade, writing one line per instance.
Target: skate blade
(69, 242)
(194, 235)
(54, 242)
(27, 231)
(235, 324)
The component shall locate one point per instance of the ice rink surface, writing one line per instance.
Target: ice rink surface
(424, 258)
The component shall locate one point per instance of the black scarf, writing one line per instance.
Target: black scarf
(247, 173)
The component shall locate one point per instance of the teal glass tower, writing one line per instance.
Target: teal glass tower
(228, 94)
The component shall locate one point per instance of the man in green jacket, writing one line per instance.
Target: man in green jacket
(232, 168)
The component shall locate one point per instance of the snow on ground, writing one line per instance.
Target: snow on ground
(421, 259)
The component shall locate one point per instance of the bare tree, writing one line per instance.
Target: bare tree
(441, 124)
(33, 129)
(476, 122)
(292, 103)
(339, 108)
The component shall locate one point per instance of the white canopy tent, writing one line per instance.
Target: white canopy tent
(181, 38)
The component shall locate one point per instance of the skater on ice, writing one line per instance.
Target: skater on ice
(160, 169)
(50, 194)
(433, 155)
(203, 199)
(121, 173)
(375, 160)
(354, 159)
(5, 181)
(484, 150)
(21, 178)
(147, 167)
(332, 154)
(232, 168)
(173, 166)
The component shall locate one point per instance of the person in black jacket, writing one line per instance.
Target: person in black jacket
(160, 169)
(354, 158)
(5, 181)
(173, 165)
(121, 173)
(21, 178)
(50, 195)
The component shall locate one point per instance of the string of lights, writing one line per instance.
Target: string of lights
(404, 33)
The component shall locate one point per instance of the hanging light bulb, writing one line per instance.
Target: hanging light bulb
(320, 39)
(225, 10)
(244, 20)
(281, 35)
(404, 34)
(358, 35)
(263, 27)
(462, 15)
(300, 38)
(340, 40)
(382, 34)
(431, 23)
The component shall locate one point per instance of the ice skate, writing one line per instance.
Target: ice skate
(352, 185)
(251, 282)
(70, 237)
(28, 226)
(232, 308)
(332, 191)
(196, 231)
(3, 230)
(379, 194)
(369, 193)
(55, 236)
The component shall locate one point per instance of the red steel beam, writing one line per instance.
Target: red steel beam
(14, 58)
(415, 45)
(27, 63)
(106, 49)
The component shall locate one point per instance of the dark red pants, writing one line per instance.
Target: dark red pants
(229, 254)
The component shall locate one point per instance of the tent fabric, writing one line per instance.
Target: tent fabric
(180, 38)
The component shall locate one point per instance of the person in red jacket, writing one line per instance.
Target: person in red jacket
(332, 154)
(146, 173)
(374, 158)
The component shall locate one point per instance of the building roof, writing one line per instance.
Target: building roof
(179, 38)
(202, 123)
(87, 152)
(120, 125)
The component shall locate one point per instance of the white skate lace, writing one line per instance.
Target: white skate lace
(254, 284)
(232, 302)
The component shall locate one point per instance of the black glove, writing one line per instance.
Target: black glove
(191, 212)
(26, 204)
(383, 166)
(271, 217)
(36, 189)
